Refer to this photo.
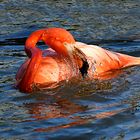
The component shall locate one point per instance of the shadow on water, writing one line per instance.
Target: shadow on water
(83, 109)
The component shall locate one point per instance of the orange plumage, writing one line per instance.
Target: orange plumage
(65, 59)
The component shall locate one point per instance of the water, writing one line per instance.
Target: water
(85, 110)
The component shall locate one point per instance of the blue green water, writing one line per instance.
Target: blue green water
(86, 110)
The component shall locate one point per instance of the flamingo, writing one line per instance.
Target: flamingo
(64, 59)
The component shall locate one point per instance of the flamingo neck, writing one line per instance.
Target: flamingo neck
(26, 83)
(32, 41)
(35, 55)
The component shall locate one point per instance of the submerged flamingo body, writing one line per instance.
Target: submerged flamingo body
(65, 59)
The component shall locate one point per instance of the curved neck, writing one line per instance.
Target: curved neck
(32, 41)
(26, 84)
(35, 55)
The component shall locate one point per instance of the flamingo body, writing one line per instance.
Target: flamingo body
(45, 69)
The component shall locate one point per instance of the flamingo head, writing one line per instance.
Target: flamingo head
(57, 39)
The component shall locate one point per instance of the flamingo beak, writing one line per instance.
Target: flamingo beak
(74, 51)
(80, 58)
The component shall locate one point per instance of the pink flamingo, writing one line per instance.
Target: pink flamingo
(65, 59)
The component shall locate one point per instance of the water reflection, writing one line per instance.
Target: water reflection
(52, 109)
